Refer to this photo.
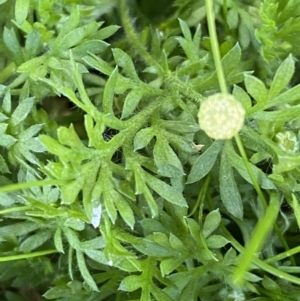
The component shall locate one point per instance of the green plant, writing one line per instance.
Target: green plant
(110, 189)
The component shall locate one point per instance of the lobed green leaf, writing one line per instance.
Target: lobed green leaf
(211, 222)
(229, 191)
(205, 162)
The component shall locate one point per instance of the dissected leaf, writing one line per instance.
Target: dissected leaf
(143, 137)
(56, 292)
(84, 271)
(205, 162)
(77, 35)
(229, 191)
(211, 222)
(131, 283)
(166, 191)
(169, 265)
(108, 95)
(58, 240)
(256, 88)
(98, 64)
(216, 241)
(167, 162)
(238, 163)
(106, 32)
(22, 111)
(282, 77)
(12, 44)
(131, 102)
(124, 61)
(34, 241)
(32, 44)
(125, 211)
(21, 10)
(242, 97)
(20, 228)
(107, 186)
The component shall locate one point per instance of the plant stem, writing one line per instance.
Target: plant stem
(200, 200)
(215, 44)
(27, 255)
(19, 186)
(283, 255)
(250, 171)
(15, 209)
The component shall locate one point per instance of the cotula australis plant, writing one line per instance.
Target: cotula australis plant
(149, 153)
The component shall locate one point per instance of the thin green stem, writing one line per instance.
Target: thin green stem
(225, 7)
(225, 11)
(289, 269)
(19, 186)
(27, 255)
(70, 262)
(200, 200)
(15, 209)
(283, 255)
(215, 44)
(250, 171)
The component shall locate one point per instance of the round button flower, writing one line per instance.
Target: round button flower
(221, 116)
(287, 141)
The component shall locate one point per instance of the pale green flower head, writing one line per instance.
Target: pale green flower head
(287, 141)
(221, 116)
